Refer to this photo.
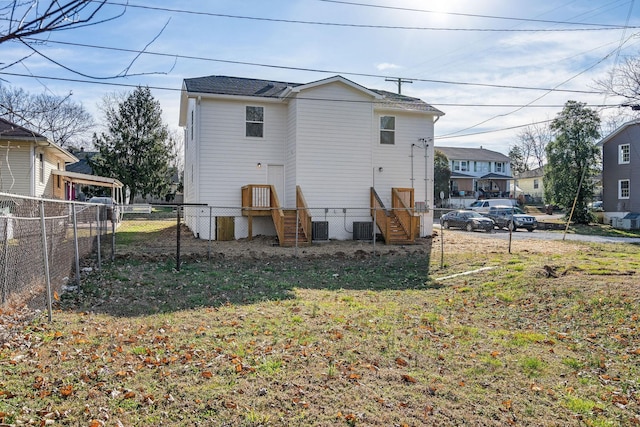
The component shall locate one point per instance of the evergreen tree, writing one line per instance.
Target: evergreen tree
(572, 158)
(136, 148)
(441, 174)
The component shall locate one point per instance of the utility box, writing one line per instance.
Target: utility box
(363, 231)
(320, 230)
(225, 228)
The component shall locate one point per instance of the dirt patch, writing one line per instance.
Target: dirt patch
(267, 247)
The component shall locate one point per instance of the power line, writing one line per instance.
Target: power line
(315, 70)
(347, 25)
(173, 89)
(407, 9)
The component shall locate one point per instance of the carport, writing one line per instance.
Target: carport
(73, 178)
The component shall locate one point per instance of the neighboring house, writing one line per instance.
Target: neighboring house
(478, 173)
(28, 161)
(262, 145)
(531, 183)
(621, 171)
(31, 165)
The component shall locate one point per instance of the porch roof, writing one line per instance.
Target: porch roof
(83, 178)
(496, 176)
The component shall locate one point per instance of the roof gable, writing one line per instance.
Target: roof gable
(616, 132)
(336, 79)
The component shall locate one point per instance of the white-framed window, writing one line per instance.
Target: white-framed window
(254, 121)
(41, 158)
(536, 184)
(624, 153)
(623, 189)
(461, 165)
(480, 166)
(499, 167)
(387, 130)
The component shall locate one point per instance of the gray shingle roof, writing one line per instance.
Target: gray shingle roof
(10, 130)
(240, 86)
(477, 154)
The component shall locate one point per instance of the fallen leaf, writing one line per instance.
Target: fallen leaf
(207, 374)
(408, 378)
(401, 362)
(66, 390)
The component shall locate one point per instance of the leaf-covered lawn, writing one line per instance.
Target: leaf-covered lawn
(539, 339)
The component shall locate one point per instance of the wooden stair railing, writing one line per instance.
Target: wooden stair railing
(402, 200)
(293, 226)
(400, 224)
(380, 214)
(262, 200)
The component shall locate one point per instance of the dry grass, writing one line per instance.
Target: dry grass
(548, 336)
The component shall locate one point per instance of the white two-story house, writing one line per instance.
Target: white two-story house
(262, 147)
(478, 172)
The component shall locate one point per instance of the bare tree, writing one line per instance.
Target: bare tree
(58, 118)
(24, 18)
(624, 81)
(531, 144)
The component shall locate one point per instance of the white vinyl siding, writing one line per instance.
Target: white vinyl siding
(16, 168)
(333, 146)
(228, 160)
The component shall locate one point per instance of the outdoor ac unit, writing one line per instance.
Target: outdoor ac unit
(624, 224)
(362, 231)
(320, 230)
(635, 224)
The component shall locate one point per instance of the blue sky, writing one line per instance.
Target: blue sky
(477, 68)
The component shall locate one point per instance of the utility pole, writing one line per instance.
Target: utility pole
(399, 81)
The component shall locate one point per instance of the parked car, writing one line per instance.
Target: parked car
(512, 218)
(468, 220)
(486, 204)
(111, 211)
(596, 206)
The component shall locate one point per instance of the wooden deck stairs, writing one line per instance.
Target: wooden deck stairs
(401, 224)
(293, 226)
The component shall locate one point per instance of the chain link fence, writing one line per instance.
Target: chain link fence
(44, 244)
(208, 231)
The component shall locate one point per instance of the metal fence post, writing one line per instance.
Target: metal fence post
(45, 255)
(441, 247)
(5, 266)
(178, 238)
(295, 251)
(75, 242)
(210, 219)
(98, 231)
(113, 239)
(375, 213)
